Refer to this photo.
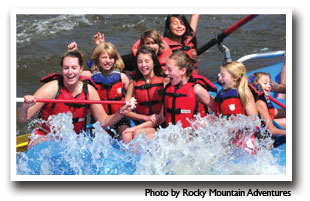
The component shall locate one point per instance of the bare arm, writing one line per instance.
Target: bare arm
(250, 107)
(125, 80)
(204, 96)
(99, 113)
(194, 21)
(132, 115)
(30, 107)
(263, 111)
(280, 88)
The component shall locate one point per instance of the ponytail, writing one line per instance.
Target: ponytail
(242, 89)
(237, 70)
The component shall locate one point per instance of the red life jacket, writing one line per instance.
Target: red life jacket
(162, 58)
(149, 96)
(258, 95)
(79, 111)
(204, 82)
(181, 103)
(188, 48)
(109, 88)
(228, 102)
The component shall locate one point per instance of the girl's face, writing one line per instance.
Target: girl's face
(177, 27)
(145, 64)
(71, 70)
(149, 42)
(105, 61)
(174, 72)
(264, 82)
(226, 79)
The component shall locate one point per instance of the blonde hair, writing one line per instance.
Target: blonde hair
(258, 75)
(237, 70)
(110, 49)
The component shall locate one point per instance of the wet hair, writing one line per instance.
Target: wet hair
(157, 67)
(188, 32)
(237, 70)
(110, 49)
(74, 54)
(183, 61)
(155, 35)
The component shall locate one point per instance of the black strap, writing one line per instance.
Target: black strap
(183, 48)
(108, 86)
(148, 86)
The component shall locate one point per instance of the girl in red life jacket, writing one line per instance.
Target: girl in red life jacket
(70, 86)
(106, 72)
(181, 97)
(181, 36)
(236, 98)
(152, 38)
(147, 87)
(265, 107)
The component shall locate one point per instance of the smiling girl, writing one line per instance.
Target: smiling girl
(265, 107)
(68, 85)
(235, 97)
(183, 96)
(106, 72)
(147, 88)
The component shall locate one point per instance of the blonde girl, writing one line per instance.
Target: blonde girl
(235, 97)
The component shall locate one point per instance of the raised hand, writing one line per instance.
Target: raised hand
(98, 38)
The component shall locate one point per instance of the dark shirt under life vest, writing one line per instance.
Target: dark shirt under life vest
(149, 96)
(79, 111)
(109, 88)
(181, 103)
(228, 102)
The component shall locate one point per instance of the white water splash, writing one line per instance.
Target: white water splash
(205, 150)
(48, 27)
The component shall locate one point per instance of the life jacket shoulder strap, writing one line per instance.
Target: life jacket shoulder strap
(148, 86)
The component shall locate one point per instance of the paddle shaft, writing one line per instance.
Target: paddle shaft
(41, 100)
(277, 102)
(224, 34)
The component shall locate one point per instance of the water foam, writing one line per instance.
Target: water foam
(205, 149)
(48, 27)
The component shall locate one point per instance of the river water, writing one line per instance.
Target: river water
(42, 39)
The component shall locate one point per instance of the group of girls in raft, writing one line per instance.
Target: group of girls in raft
(164, 82)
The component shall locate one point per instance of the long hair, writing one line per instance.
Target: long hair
(155, 35)
(188, 32)
(237, 70)
(110, 49)
(183, 61)
(157, 67)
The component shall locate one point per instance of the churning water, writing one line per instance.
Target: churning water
(41, 40)
(206, 149)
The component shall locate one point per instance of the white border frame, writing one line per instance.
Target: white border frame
(287, 177)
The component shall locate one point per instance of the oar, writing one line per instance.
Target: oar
(41, 100)
(277, 102)
(224, 34)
